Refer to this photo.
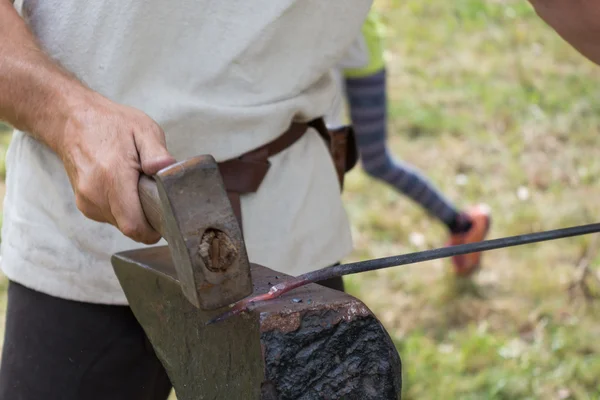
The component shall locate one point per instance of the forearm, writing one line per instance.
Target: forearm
(576, 21)
(36, 94)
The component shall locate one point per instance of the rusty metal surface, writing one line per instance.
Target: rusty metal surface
(206, 241)
(313, 343)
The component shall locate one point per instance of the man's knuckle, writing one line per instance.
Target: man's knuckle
(82, 204)
(85, 191)
(86, 208)
(153, 128)
(132, 230)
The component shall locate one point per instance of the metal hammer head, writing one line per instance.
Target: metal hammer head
(205, 239)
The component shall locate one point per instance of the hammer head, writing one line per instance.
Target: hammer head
(205, 239)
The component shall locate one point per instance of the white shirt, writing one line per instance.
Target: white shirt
(220, 77)
(356, 56)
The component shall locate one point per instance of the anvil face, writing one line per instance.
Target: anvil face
(309, 344)
(199, 361)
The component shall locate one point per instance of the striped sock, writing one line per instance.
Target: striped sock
(367, 101)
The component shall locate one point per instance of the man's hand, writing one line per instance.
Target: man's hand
(576, 21)
(104, 148)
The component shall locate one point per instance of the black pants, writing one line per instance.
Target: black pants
(56, 349)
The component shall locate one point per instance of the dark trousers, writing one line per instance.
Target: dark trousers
(56, 349)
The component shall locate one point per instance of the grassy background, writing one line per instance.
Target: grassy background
(495, 108)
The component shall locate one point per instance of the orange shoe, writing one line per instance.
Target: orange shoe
(467, 264)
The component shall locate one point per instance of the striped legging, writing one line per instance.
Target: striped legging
(367, 100)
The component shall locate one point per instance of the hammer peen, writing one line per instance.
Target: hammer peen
(188, 205)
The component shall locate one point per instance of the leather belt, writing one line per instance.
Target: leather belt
(245, 173)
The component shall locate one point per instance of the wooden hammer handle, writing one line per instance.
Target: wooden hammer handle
(150, 200)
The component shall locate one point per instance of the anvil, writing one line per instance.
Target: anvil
(315, 344)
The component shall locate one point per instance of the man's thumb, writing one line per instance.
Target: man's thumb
(153, 152)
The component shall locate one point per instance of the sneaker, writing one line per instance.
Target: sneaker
(479, 216)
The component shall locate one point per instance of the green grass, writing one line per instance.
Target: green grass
(484, 91)
(489, 103)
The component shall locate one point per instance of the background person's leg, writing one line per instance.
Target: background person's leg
(366, 92)
(56, 349)
(368, 106)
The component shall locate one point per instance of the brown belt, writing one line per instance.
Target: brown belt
(245, 173)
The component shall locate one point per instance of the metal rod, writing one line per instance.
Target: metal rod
(427, 255)
(411, 258)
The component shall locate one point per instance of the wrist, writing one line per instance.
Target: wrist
(65, 100)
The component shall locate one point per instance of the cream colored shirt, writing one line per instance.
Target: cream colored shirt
(220, 77)
(356, 56)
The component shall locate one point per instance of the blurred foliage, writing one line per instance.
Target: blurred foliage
(494, 107)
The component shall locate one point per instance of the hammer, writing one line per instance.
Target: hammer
(188, 205)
